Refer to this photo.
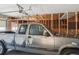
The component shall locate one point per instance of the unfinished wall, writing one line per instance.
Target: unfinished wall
(69, 25)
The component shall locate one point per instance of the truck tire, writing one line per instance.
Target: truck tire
(70, 52)
(3, 49)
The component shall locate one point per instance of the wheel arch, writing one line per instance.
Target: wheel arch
(67, 47)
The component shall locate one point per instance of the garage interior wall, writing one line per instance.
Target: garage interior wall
(60, 23)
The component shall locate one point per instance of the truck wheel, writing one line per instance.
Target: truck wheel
(70, 52)
(3, 49)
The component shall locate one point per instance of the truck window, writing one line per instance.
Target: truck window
(36, 29)
(22, 29)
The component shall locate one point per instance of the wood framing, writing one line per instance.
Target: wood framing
(59, 21)
(52, 21)
(67, 23)
(76, 18)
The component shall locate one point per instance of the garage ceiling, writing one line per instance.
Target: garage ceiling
(38, 8)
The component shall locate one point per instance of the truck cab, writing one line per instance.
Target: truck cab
(34, 35)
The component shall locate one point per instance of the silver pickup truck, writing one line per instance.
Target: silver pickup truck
(36, 38)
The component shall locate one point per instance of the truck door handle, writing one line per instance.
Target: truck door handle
(29, 36)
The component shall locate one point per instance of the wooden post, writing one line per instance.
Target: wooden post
(52, 21)
(67, 23)
(76, 22)
(59, 22)
(28, 18)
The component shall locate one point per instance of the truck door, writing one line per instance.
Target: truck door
(37, 39)
(20, 37)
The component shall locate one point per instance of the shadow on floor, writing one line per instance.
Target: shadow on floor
(13, 52)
